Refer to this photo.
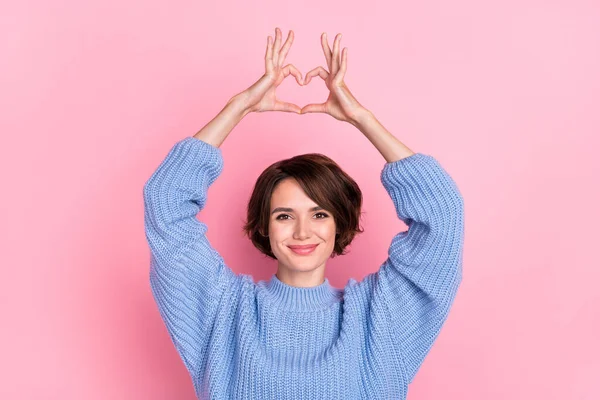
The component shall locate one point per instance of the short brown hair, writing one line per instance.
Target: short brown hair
(323, 181)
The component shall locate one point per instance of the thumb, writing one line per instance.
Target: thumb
(287, 107)
(313, 108)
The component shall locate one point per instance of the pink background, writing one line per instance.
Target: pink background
(504, 94)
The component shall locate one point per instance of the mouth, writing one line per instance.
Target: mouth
(303, 250)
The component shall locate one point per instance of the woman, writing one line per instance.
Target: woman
(296, 336)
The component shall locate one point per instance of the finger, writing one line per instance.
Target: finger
(320, 71)
(342, 71)
(290, 69)
(313, 108)
(287, 107)
(276, 46)
(269, 55)
(335, 56)
(326, 49)
(286, 48)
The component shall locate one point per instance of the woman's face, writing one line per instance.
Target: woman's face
(293, 221)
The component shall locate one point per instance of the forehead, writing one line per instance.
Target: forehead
(288, 192)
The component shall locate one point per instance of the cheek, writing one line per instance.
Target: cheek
(326, 231)
(280, 231)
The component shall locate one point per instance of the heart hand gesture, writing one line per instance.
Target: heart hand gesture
(340, 103)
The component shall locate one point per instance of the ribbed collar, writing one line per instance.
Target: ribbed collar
(302, 298)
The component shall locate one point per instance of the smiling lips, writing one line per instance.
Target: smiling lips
(304, 249)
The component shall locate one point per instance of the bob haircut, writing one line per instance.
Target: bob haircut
(323, 181)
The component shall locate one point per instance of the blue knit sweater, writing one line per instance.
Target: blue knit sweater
(269, 340)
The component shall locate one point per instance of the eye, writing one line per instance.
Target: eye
(279, 217)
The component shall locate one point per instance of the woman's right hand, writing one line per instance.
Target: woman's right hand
(261, 96)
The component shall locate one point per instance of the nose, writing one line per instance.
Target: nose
(302, 230)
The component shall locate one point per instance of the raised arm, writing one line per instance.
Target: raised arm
(187, 275)
(421, 276)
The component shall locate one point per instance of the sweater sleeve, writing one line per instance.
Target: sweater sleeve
(187, 275)
(422, 273)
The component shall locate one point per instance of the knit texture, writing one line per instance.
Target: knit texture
(268, 340)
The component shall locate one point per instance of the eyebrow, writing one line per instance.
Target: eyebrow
(278, 209)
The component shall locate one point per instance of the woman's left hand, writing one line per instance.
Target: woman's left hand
(340, 104)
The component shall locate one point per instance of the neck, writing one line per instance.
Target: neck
(304, 279)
